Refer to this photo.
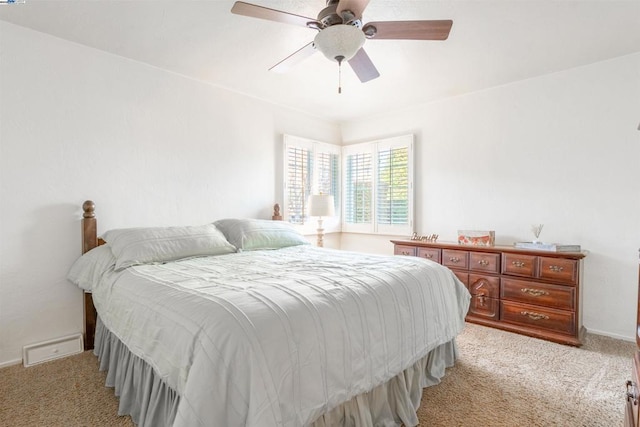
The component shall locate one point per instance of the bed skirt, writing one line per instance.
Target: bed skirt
(150, 402)
(142, 395)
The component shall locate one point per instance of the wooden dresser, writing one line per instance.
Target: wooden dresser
(530, 292)
(631, 418)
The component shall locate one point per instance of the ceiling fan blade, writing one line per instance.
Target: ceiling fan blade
(363, 67)
(410, 30)
(255, 11)
(355, 6)
(296, 57)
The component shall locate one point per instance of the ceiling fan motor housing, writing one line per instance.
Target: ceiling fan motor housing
(329, 16)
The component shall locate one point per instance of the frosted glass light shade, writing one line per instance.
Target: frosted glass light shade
(321, 205)
(339, 40)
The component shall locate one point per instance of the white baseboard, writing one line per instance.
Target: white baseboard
(52, 349)
(10, 363)
(610, 335)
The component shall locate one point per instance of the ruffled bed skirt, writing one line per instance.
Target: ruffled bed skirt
(142, 395)
(150, 402)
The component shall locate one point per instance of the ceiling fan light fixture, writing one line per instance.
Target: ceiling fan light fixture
(339, 40)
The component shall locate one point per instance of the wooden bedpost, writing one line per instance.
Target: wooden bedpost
(89, 241)
(89, 230)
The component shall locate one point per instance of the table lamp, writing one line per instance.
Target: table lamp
(321, 205)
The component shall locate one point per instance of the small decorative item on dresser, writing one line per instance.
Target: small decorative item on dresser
(536, 229)
(429, 238)
(552, 247)
(476, 238)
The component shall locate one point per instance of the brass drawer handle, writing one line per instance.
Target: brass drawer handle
(454, 259)
(405, 253)
(428, 255)
(534, 292)
(517, 264)
(483, 262)
(556, 268)
(534, 316)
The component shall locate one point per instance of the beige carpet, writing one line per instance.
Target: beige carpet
(504, 379)
(500, 379)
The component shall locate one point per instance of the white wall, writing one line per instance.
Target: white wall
(149, 147)
(562, 150)
(154, 148)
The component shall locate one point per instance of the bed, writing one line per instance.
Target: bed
(243, 323)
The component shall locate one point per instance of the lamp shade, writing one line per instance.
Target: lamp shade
(321, 205)
(339, 42)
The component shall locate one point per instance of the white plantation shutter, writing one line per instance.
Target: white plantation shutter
(298, 183)
(358, 207)
(328, 175)
(378, 187)
(310, 167)
(393, 186)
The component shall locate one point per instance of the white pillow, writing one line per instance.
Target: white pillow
(255, 234)
(87, 270)
(134, 246)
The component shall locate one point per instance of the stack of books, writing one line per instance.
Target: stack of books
(553, 247)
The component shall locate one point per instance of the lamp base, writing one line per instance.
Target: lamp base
(320, 230)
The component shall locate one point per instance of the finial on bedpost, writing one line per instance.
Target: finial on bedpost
(89, 209)
(276, 213)
(89, 229)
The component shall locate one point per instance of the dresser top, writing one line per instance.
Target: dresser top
(496, 248)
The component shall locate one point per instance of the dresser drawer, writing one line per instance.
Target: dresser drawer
(556, 296)
(519, 265)
(429, 253)
(558, 269)
(455, 259)
(484, 307)
(484, 285)
(404, 250)
(486, 262)
(538, 317)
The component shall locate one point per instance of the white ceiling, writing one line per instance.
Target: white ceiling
(491, 43)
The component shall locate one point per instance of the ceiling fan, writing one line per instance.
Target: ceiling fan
(341, 33)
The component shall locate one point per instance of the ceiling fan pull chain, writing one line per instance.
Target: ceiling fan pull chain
(339, 59)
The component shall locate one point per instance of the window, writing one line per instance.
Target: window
(376, 195)
(310, 167)
(378, 187)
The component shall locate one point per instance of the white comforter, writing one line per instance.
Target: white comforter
(276, 338)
